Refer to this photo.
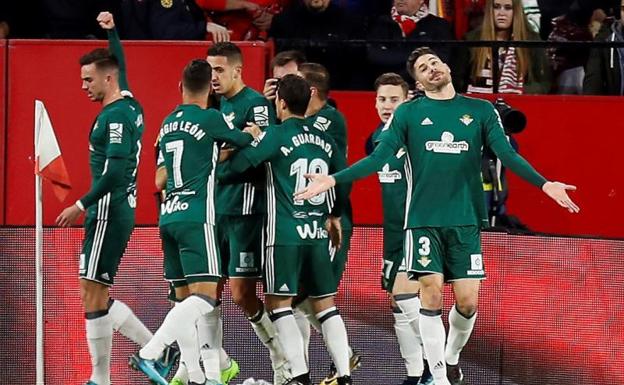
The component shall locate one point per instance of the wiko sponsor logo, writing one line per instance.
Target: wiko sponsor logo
(172, 206)
(312, 232)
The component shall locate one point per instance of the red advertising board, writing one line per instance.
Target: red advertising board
(3, 104)
(49, 71)
(572, 139)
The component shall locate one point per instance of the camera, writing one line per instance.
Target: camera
(514, 121)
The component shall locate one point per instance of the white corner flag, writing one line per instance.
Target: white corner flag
(49, 165)
(48, 161)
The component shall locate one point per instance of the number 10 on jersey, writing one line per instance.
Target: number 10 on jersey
(302, 166)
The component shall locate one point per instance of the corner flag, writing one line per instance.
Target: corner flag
(48, 161)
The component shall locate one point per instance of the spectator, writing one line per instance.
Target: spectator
(4, 29)
(521, 70)
(567, 63)
(284, 63)
(247, 20)
(324, 23)
(168, 20)
(67, 19)
(603, 72)
(409, 21)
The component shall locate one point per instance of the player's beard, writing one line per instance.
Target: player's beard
(437, 85)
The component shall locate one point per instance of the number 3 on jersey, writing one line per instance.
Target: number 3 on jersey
(425, 246)
(301, 167)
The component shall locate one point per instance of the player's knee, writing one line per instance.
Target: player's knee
(93, 298)
(431, 297)
(467, 307)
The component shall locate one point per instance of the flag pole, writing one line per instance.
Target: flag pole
(38, 262)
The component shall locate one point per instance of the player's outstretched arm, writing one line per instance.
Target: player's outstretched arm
(106, 21)
(557, 191)
(320, 183)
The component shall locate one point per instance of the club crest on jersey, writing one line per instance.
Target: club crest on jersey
(466, 119)
(166, 3)
(322, 123)
(387, 176)
(261, 115)
(424, 261)
(447, 145)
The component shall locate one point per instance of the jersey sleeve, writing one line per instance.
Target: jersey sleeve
(115, 168)
(114, 45)
(394, 133)
(496, 140)
(160, 161)
(223, 131)
(260, 113)
(391, 139)
(119, 136)
(263, 148)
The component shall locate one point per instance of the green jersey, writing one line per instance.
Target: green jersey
(330, 120)
(291, 150)
(188, 149)
(246, 106)
(444, 141)
(114, 148)
(393, 188)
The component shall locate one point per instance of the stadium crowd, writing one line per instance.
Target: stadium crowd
(378, 33)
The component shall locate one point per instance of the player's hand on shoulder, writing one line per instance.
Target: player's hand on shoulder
(334, 228)
(557, 191)
(319, 183)
(106, 21)
(253, 129)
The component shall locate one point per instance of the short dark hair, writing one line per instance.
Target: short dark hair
(295, 92)
(196, 76)
(102, 58)
(317, 76)
(227, 49)
(418, 52)
(285, 57)
(392, 79)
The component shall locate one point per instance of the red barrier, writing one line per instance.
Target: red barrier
(555, 140)
(3, 101)
(49, 71)
(569, 138)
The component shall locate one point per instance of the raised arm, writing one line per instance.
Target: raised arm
(106, 21)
